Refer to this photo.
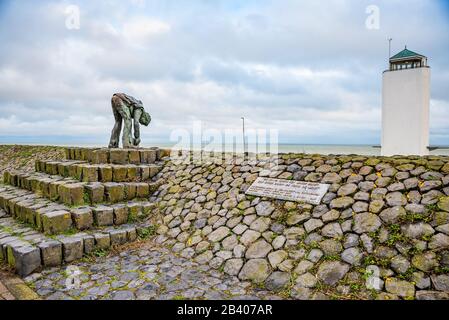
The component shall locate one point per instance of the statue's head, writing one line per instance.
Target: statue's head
(145, 118)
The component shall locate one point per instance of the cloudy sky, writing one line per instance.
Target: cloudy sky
(310, 69)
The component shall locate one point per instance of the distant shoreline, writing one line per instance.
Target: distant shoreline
(324, 149)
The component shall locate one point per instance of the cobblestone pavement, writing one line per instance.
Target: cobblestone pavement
(143, 273)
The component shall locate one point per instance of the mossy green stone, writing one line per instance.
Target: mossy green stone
(90, 173)
(120, 174)
(132, 174)
(143, 190)
(83, 218)
(115, 192)
(105, 174)
(425, 262)
(134, 157)
(135, 211)
(120, 214)
(144, 173)
(443, 204)
(435, 165)
(94, 193)
(76, 194)
(445, 168)
(118, 156)
(56, 222)
(174, 189)
(342, 203)
(102, 240)
(372, 162)
(130, 191)
(406, 167)
(154, 170)
(100, 156)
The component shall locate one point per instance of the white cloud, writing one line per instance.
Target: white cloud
(312, 72)
(140, 29)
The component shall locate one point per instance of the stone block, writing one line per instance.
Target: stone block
(134, 156)
(56, 222)
(120, 214)
(133, 173)
(90, 173)
(8, 247)
(89, 243)
(120, 173)
(131, 234)
(54, 190)
(154, 170)
(130, 191)
(114, 192)
(44, 187)
(51, 168)
(105, 173)
(100, 156)
(135, 210)
(82, 218)
(102, 240)
(63, 169)
(143, 190)
(143, 156)
(78, 173)
(119, 156)
(144, 173)
(4, 242)
(20, 209)
(30, 212)
(78, 154)
(152, 156)
(27, 259)
(118, 236)
(72, 194)
(44, 210)
(72, 248)
(51, 253)
(88, 156)
(94, 192)
(73, 171)
(103, 216)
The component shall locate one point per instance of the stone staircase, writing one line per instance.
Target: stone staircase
(95, 199)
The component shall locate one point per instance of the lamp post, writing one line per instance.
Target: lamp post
(389, 48)
(244, 142)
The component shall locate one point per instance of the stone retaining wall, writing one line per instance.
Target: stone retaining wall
(385, 215)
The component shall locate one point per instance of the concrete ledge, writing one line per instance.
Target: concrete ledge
(19, 289)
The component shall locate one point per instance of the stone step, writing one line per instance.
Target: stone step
(86, 172)
(27, 250)
(54, 218)
(116, 156)
(74, 193)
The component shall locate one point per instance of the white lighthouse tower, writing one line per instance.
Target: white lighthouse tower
(405, 105)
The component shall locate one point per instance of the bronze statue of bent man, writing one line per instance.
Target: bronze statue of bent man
(131, 111)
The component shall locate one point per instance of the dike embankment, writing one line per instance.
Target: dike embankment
(384, 221)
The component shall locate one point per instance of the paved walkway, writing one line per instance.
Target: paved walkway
(142, 273)
(5, 294)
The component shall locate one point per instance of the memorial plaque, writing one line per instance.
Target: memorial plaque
(289, 190)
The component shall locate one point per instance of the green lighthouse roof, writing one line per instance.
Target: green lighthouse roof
(404, 54)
